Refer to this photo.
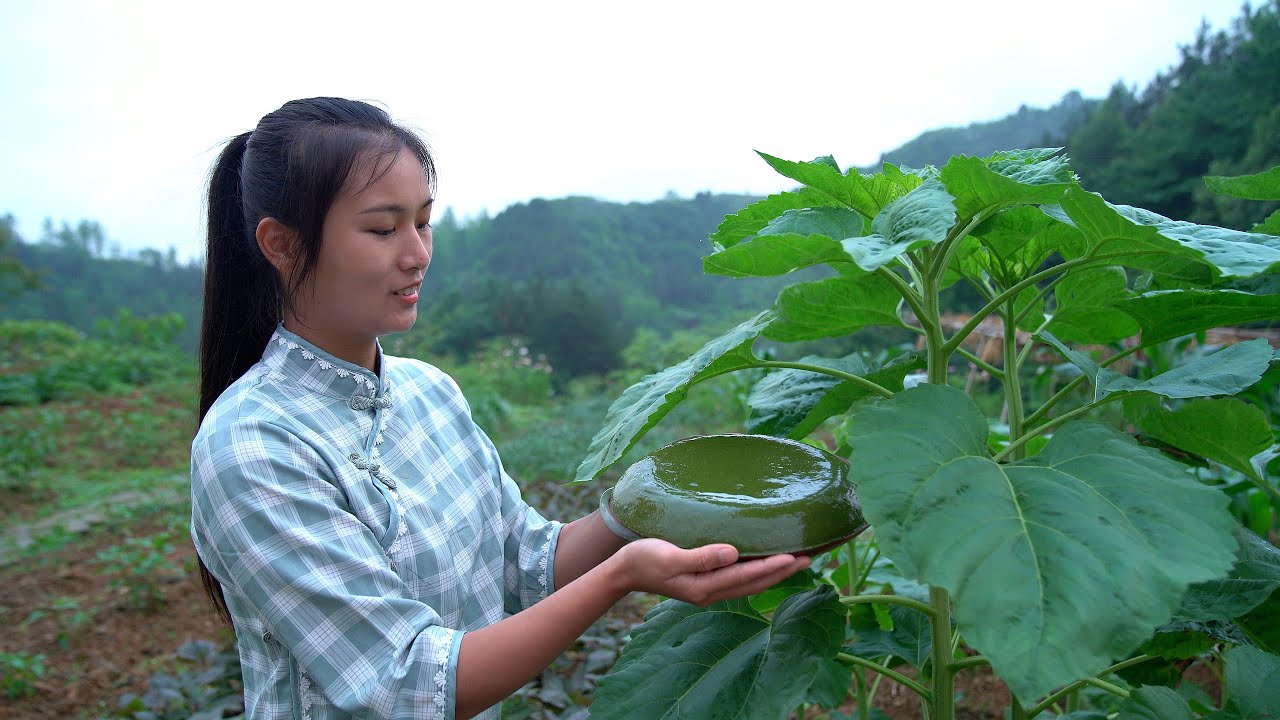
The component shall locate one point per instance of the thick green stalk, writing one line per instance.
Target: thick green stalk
(943, 677)
(1055, 697)
(1012, 384)
(889, 600)
(860, 693)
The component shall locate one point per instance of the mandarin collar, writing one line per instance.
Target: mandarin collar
(298, 359)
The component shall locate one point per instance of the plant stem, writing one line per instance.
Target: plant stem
(889, 600)
(1015, 445)
(849, 377)
(969, 662)
(948, 247)
(908, 293)
(867, 566)
(1055, 697)
(894, 675)
(943, 676)
(1016, 712)
(860, 693)
(1104, 685)
(1014, 290)
(1012, 385)
(995, 371)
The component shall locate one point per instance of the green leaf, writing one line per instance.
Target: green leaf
(833, 222)
(830, 684)
(1011, 245)
(1253, 682)
(1227, 430)
(1009, 178)
(1178, 645)
(908, 637)
(1255, 575)
(1107, 231)
(792, 403)
(1263, 624)
(725, 661)
(866, 194)
(1261, 186)
(1057, 563)
(834, 306)
(645, 403)
(1167, 314)
(767, 601)
(1270, 226)
(921, 217)
(749, 220)
(1084, 312)
(766, 256)
(1233, 252)
(1154, 703)
(1225, 372)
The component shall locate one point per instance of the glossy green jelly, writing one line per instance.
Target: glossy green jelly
(763, 495)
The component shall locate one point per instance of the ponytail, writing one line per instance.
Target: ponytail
(240, 288)
(291, 168)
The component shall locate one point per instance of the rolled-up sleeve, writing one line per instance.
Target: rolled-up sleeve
(529, 550)
(270, 523)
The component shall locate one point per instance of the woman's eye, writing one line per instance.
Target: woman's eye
(423, 227)
(384, 233)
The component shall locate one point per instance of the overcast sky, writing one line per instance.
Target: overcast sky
(113, 111)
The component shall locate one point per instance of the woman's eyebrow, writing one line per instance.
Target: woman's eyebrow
(393, 208)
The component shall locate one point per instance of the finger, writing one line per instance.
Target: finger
(710, 557)
(761, 584)
(744, 573)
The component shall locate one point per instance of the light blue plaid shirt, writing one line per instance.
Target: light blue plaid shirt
(358, 524)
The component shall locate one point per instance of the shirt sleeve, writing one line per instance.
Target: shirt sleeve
(529, 545)
(278, 533)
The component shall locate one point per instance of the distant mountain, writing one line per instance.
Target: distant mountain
(1028, 127)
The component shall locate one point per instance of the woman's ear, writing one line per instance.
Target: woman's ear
(279, 245)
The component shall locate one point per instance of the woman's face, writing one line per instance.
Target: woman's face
(375, 248)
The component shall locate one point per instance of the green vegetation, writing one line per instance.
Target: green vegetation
(1055, 549)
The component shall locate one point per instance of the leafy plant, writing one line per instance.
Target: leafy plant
(19, 672)
(204, 684)
(1043, 542)
(141, 565)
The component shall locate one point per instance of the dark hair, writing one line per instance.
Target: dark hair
(291, 167)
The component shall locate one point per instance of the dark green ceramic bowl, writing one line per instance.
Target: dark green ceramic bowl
(763, 495)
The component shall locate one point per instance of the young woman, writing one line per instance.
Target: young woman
(353, 524)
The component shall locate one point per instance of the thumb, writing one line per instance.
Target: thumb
(711, 557)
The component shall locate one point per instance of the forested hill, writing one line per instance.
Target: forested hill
(1028, 127)
(588, 265)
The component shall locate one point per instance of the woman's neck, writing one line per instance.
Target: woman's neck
(357, 350)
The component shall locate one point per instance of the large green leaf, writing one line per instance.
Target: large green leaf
(795, 239)
(1154, 703)
(1255, 575)
(722, 662)
(645, 403)
(766, 256)
(1107, 231)
(1059, 563)
(1009, 178)
(1260, 186)
(1084, 312)
(921, 217)
(792, 403)
(1225, 372)
(866, 194)
(1263, 624)
(834, 306)
(1227, 430)
(1233, 252)
(830, 684)
(1167, 314)
(751, 219)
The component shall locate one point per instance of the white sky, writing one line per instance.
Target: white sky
(113, 111)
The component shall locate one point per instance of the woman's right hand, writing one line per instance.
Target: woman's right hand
(699, 576)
